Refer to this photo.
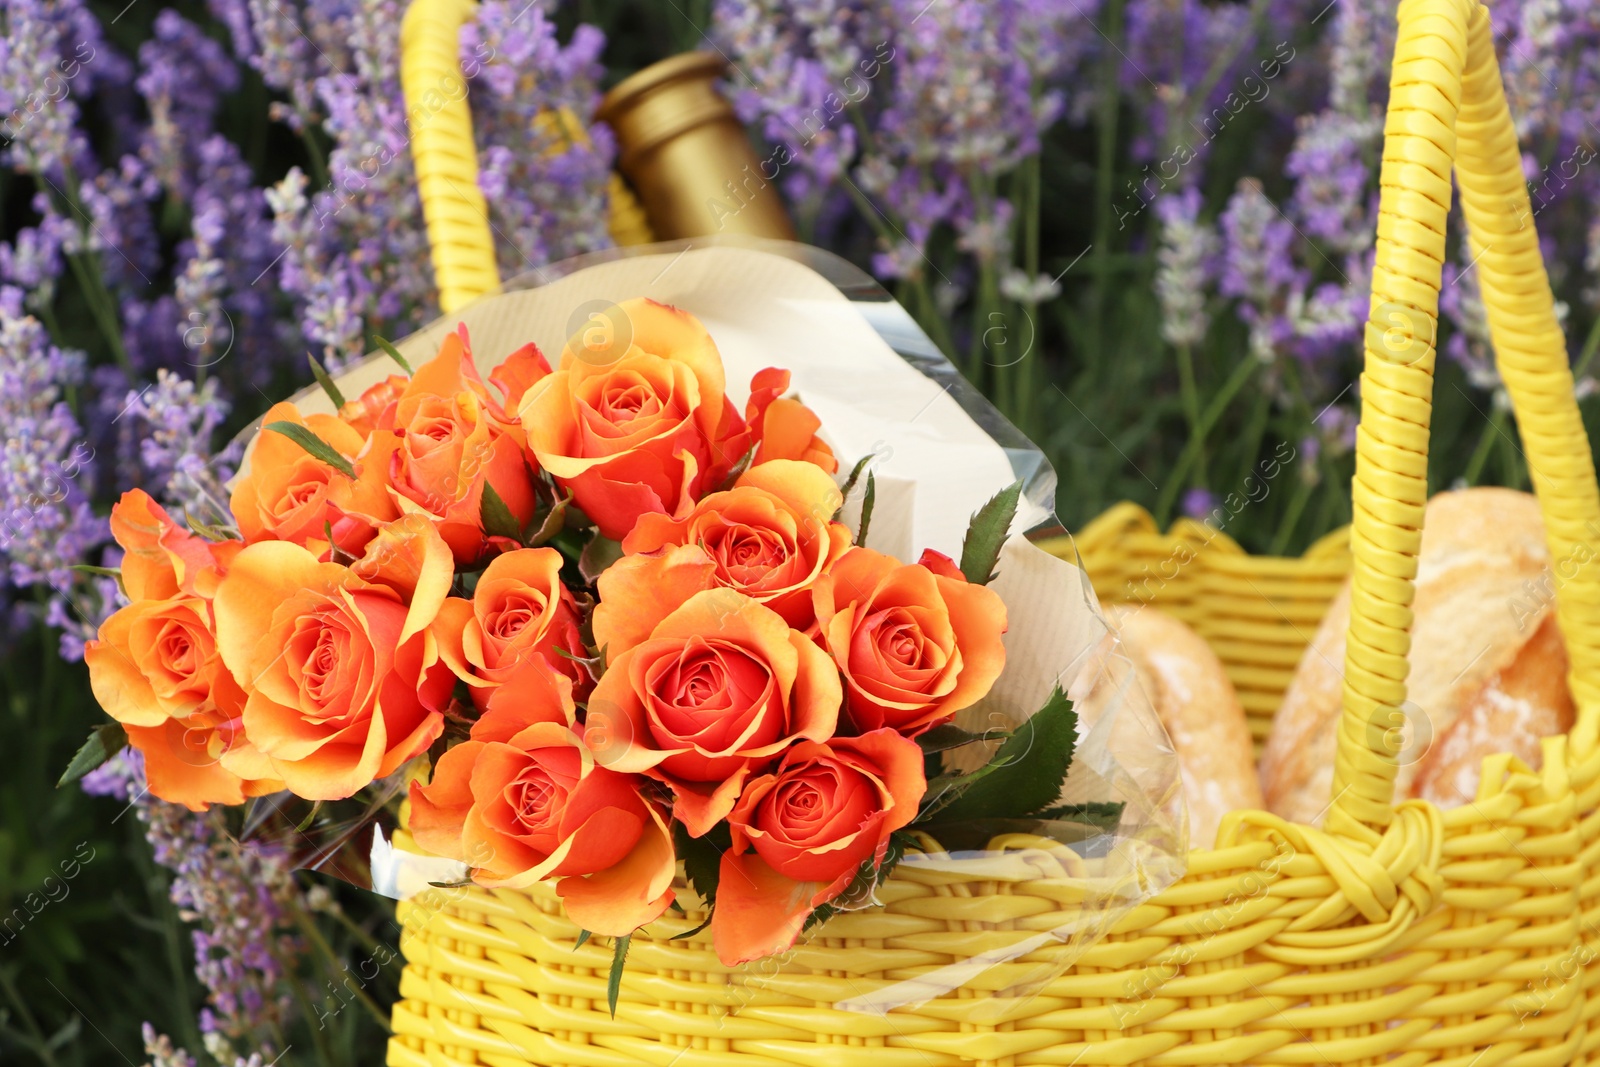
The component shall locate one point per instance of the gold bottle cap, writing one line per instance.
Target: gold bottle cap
(663, 101)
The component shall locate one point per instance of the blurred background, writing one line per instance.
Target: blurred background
(1143, 227)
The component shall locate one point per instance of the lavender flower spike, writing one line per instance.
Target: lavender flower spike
(1185, 263)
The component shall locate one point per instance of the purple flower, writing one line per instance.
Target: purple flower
(1461, 305)
(545, 167)
(1332, 197)
(1257, 262)
(1199, 503)
(241, 898)
(121, 231)
(47, 467)
(920, 107)
(1185, 267)
(183, 75)
(33, 260)
(177, 419)
(37, 68)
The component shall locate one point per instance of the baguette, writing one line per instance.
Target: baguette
(1488, 665)
(1189, 690)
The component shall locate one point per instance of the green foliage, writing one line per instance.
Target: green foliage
(314, 446)
(320, 373)
(105, 741)
(986, 535)
(496, 516)
(1023, 776)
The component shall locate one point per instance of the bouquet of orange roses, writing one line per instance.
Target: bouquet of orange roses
(610, 625)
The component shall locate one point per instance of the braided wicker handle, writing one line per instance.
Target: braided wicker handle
(1447, 105)
(444, 152)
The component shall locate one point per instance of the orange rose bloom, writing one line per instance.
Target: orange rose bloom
(770, 537)
(374, 408)
(523, 800)
(155, 666)
(517, 373)
(782, 427)
(638, 423)
(449, 439)
(916, 642)
(801, 833)
(342, 677)
(519, 610)
(722, 687)
(289, 495)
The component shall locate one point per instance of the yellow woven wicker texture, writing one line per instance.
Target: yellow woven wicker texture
(1401, 935)
(460, 236)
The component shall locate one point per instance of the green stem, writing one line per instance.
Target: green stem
(86, 269)
(1480, 455)
(1511, 458)
(314, 935)
(35, 1036)
(1256, 429)
(1191, 407)
(1325, 512)
(1590, 345)
(314, 153)
(308, 1010)
(1291, 516)
(367, 939)
(1208, 418)
(1029, 180)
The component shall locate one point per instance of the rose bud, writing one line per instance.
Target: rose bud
(916, 642)
(721, 687)
(519, 609)
(782, 427)
(373, 410)
(449, 440)
(287, 494)
(801, 832)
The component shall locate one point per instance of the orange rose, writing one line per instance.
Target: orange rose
(518, 372)
(157, 660)
(374, 408)
(155, 667)
(722, 686)
(782, 427)
(449, 440)
(523, 801)
(342, 676)
(770, 537)
(802, 832)
(519, 610)
(636, 423)
(290, 495)
(916, 642)
(159, 557)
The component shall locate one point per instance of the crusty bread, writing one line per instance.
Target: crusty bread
(1488, 667)
(1191, 694)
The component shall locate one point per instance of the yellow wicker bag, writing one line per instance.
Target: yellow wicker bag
(1397, 935)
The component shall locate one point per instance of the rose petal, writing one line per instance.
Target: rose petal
(759, 912)
(617, 901)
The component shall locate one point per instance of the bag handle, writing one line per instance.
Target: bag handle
(1447, 106)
